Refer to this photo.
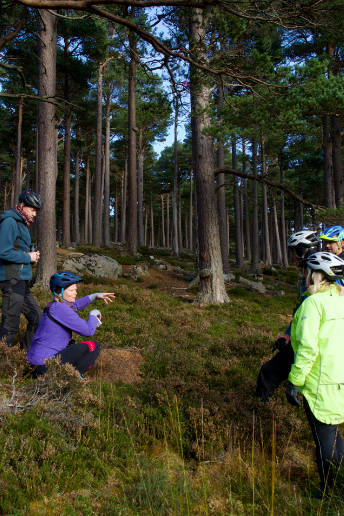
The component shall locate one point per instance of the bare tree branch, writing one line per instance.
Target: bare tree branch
(272, 184)
(54, 13)
(11, 35)
(57, 101)
(16, 69)
(83, 5)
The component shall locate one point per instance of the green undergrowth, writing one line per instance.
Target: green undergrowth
(190, 438)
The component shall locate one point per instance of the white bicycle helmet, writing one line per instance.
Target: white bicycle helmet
(330, 264)
(303, 242)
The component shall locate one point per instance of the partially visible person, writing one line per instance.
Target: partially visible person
(318, 369)
(60, 319)
(275, 371)
(16, 259)
(333, 240)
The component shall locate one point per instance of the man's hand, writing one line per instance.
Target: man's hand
(281, 342)
(106, 297)
(34, 256)
(291, 394)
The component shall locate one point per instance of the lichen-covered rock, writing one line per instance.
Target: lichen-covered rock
(138, 271)
(94, 264)
(253, 285)
(228, 277)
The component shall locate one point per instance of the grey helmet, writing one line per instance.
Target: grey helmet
(304, 242)
(30, 198)
(330, 264)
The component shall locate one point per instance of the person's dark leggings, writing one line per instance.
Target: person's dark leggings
(274, 372)
(82, 356)
(329, 448)
(17, 299)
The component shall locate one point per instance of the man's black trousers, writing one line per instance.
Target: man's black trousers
(17, 299)
(274, 372)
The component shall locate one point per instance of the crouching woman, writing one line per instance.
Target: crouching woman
(59, 320)
(318, 370)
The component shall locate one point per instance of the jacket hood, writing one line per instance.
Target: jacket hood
(14, 214)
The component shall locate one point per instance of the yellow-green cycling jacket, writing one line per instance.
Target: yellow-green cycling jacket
(317, 336)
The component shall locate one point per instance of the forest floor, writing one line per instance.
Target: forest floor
(167, 422)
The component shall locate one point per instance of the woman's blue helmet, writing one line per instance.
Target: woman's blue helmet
(333, 234)
(61, 280)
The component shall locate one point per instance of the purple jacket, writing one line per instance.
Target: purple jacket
(50, 338)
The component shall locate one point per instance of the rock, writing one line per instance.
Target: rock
(228, 277)
(152, 258)
(94, 264)
(185, 275)
(139, 270)
(253, 285)
(161, 266)
(194, 282)
(189, 276)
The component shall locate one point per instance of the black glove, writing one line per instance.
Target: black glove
(279, 344)
(291, 394)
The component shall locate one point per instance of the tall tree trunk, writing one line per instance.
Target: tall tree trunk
(265, 217)
(140, 160)
(175, 238)
(337, 160)
(255, 214)
(37, 186)
(298, 216)
(124, 202)
(180, 232)
(146, 225)
(97, 208)
(77, 198)
(132, 179)
(116, 214)
(168, 221)
(18, 179)
(163, 221)
(152, 221)
(237, 210)
(329, 197)
(87, 200)
(90, 211)
(186, 230)
(107, 172)
(47, 150)
(190, 213)
(277, 240)
(283, 227)
(221, 193)
(212, 287)
(67, 147)
(246, 207)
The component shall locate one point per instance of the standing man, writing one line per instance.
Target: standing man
(332, 238)
(16, 258)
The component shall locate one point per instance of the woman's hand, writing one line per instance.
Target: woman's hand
(106, 297)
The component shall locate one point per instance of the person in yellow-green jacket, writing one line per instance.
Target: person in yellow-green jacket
(318, 369)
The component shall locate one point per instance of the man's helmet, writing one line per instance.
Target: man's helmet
(304, 242)
(32, 199)
(333, 234)
(61, 280)
(330, 264)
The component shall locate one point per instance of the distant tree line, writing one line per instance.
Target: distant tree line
(87, 90)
